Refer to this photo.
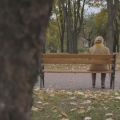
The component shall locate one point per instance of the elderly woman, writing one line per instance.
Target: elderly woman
(99, 48)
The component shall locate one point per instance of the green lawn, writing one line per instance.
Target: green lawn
(76, 105)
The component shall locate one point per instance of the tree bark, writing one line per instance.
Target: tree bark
(61, 23)
(113, 9)
(74, 23)
(22, 28)
(110, 34)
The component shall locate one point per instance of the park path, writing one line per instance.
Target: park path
(75, 81)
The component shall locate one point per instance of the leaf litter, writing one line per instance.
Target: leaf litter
(66, 105)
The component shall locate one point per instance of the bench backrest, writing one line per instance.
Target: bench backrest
(64, 58)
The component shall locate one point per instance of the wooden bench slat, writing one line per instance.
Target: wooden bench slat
(65, 58)
(66, 71)
(75, 61)
(76, 56)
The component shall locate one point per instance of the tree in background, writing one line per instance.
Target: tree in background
(101, 23)
(88, 31)
(72, 23)
(69, 16)
(95, 24)
(22, 27)
(52, 36)
(116, 47)
(113, 7)
(113, 24)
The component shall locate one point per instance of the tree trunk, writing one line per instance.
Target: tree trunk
(110, 34)
(62, 24)
(22, 28)
(112, 39)
(117, 26)
(74, 23)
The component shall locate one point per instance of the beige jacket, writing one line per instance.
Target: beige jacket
(102, 50)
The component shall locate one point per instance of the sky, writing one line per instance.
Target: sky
(93, 10)
(90, 10)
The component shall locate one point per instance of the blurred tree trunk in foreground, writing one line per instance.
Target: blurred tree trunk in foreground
(22, 28)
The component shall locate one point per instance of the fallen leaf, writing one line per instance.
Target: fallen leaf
(36, 89)
(86, 102)
(116, 93)
(34, 108)
(109, 119)
(117, 98)
(54, 109)
(45, 104)
(52, 94)
(73, 103)
(74, 109)
(87, 118)
(39, 102)
(78, 93)
(72, 98)
(64, 119)
(89, 108)
(59, 116)
(69, 93)
(109, 114)
(81, 111)
(64, 114)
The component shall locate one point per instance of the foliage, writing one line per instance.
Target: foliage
(95, 24)
(101, 22)
(52, 36)
(89, 30)
(96, 3)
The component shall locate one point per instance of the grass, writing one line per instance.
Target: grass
(76, 105)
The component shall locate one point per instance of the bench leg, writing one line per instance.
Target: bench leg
(112, 81)
(42, 77)
(42, 80)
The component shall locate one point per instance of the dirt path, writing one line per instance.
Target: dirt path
(76, 81)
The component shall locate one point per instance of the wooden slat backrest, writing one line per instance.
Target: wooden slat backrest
(64, 58)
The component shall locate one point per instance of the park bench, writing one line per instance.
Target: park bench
(86, 59)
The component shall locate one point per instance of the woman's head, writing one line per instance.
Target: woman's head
(99, 40)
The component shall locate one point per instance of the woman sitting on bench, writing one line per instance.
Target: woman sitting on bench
(99, 49)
